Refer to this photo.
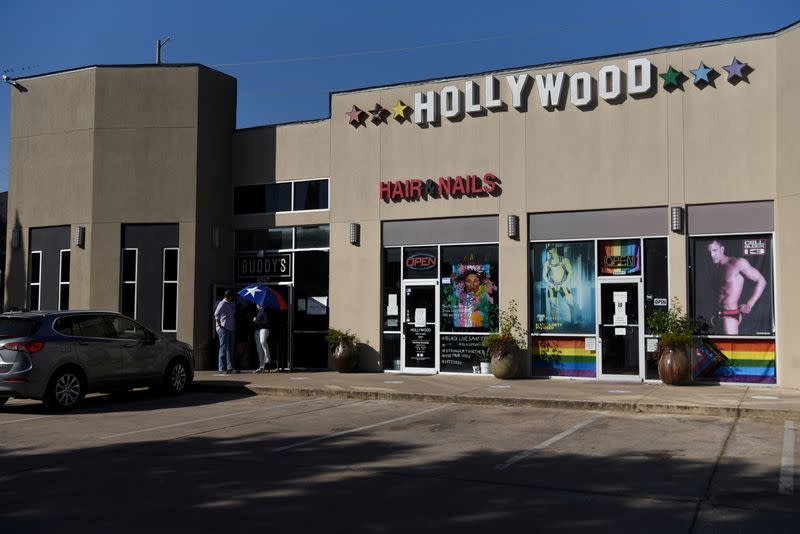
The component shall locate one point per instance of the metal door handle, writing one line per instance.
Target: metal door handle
(129, 345)
(83, 342)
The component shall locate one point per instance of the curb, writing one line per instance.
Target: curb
(629, 407)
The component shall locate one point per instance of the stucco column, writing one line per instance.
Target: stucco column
(355, 289)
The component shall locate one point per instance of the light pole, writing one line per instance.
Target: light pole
(159, 44)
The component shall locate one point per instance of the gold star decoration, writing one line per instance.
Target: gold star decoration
(399, 111)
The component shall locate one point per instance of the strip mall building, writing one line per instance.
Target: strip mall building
(590, 193)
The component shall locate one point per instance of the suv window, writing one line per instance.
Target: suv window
(85, 326)
(17, 327)
(127, 329)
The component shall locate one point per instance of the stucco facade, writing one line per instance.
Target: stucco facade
(104, 147)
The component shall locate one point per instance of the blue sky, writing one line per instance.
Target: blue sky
(287, 56)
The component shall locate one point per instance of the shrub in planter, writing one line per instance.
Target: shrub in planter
(502, 347)
(676, 333)
(342, 348)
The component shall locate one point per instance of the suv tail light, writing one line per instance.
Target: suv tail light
(25, 346)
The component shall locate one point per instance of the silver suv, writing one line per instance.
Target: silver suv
(60, 356)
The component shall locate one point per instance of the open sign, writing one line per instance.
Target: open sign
(421, 262)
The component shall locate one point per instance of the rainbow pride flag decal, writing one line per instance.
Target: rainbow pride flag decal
(735, 360)
(563, 356)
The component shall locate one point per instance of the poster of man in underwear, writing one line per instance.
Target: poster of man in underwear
(732, 284)
(563, 287)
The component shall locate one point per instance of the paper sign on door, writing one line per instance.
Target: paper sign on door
(420, 316)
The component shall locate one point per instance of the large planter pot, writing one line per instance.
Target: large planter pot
(505, 365)
(675, 365)
(344, 357)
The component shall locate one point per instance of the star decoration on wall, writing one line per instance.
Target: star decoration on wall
(671, 77)
(701, 74)
(379, 114)
(735, 70)
(356, 116)
(400, 111)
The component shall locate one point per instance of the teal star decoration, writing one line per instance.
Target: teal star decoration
(671, 77)
(701, 74)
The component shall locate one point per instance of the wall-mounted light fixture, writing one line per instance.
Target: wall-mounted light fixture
(16, 237)
(513, 227)
(215, 236)
(355, 234)
(676, 219)
(80, 236)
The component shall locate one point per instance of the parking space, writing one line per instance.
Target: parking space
(384, 466)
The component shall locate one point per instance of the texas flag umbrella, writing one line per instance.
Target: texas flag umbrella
(264, 296)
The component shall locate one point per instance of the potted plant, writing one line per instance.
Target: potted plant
(502, 347)
(342, 347)
(675, 331)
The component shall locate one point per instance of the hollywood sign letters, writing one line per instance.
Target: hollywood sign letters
(551, 89)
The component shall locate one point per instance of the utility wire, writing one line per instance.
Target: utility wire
(562, 29)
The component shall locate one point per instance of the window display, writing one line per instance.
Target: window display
(563, 287)
(732, 288)
(469, 296)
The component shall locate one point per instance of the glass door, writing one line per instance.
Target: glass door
(420, 335)
(280, 328)
(620, 354)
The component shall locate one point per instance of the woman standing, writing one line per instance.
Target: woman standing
(261, 336)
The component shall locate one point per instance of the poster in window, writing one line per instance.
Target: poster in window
(619, 257)
(563, 286)
(732, 286)
(470, 294)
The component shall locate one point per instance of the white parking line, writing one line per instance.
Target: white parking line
(184, 423)
(786, 481)
(521, 456)
(21, 420)
(354, 430)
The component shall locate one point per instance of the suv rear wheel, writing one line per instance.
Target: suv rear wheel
(65, 391)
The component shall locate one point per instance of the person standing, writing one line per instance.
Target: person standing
(225, 320)
(261, 336)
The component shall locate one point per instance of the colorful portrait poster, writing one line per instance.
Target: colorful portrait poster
(732, 286)
(469, 297)
(619, 257)
(563, 286)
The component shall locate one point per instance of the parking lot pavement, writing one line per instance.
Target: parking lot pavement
(207, 462)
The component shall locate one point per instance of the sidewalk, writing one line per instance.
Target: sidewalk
(713, 400)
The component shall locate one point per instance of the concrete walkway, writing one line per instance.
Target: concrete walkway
(714, 400)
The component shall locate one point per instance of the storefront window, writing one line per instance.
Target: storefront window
(469, 290)
(263, 198)
(731, 284)
(420, 263)
(619, 257)
(311, 309)
(391, 289)
(269, 239)
(311, 195)
(656, 276)
(563, 287)
(312, 236)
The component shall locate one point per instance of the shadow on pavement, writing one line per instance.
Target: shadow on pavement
(203, 483)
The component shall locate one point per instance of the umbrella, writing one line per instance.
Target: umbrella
(264, 296)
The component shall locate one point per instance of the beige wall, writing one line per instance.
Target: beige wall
(105, 146)
(687, 146)
(787, 212)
